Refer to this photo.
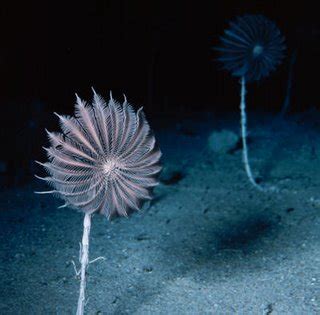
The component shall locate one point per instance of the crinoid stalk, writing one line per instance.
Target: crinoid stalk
(105, 161)
(250, 49)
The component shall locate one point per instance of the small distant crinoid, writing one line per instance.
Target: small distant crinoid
(250, 48)
(104, 161)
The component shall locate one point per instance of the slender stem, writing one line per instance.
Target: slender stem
(244, 134)
(286, 103)
(84, 260)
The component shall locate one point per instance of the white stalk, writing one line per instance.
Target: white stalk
(244, 134)
(84, 260)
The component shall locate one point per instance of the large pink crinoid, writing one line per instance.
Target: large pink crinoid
(105, 160)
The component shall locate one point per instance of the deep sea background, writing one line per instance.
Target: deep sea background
(208, 243)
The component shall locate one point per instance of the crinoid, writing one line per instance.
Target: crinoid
(250, 49)
(105, 161)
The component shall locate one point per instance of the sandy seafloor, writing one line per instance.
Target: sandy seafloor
(209, 243)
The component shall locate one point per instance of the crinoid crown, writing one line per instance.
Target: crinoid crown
(252, 47)
(105, 160)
